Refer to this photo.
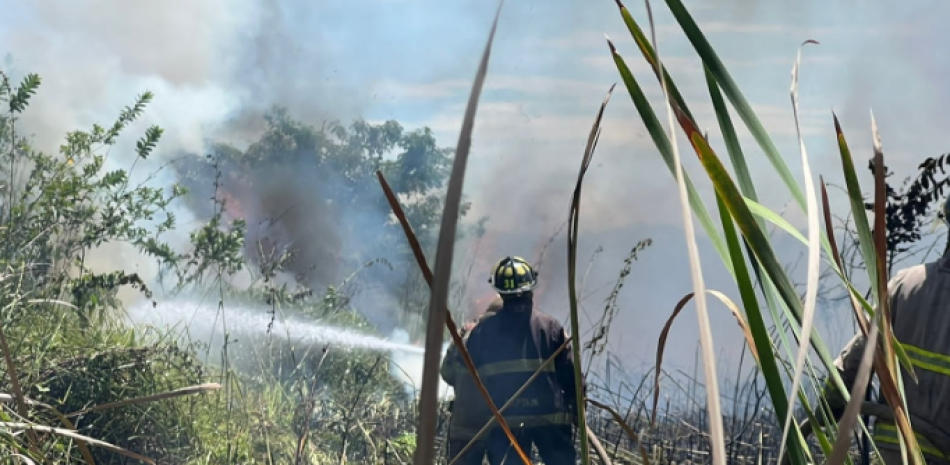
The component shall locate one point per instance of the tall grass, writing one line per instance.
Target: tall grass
(739, 207)
(438, 312)
(749, 255)
(811, 287)
(573, 227)
(751, 249)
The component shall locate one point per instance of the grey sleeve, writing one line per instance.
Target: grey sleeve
(849, 360)
(847, 364)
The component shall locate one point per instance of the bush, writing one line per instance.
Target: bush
(70, 350)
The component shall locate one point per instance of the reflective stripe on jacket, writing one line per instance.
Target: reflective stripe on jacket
(919, 299)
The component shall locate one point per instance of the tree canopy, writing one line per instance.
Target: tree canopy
(312, 202)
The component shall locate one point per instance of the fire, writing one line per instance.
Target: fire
(233, 209)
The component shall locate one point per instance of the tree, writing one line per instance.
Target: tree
(55, 210)
(312, 201)
(908, 208)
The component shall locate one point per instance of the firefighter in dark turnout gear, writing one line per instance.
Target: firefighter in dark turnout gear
(469, 412)
(507, 349)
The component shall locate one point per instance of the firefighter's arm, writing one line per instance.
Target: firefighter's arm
(849, 361)
(847, 365)
(450, 365)
(564, 367)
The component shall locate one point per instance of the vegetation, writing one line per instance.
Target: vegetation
(81, 386)
(69, 349)
(738, 208)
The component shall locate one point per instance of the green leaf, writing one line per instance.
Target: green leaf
(145, 145)
(21, 99)
(650, 55)
(733, 147)
(774, 218)
(760, 334)
(731, 90)
(573, 230)
(861, 223)
(666, 150)
(757, 239)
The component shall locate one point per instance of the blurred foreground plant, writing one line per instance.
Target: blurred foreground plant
(739, 206)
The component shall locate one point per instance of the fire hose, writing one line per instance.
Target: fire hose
(884, 412)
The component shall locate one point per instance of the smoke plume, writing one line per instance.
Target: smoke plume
(216, 68)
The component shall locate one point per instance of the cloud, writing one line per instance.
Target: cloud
(716, 30)
(692, 65)
(431, 90)
(524, 85)
(531, 113)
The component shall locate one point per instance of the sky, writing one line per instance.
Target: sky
(215, 65)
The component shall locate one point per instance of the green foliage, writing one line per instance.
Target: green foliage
(73, 383)
(56, 209)
(325, 214)
(20, 98)
(908, 205)
(215, 247)
(344, 158)
(738, 208)
(59, 305)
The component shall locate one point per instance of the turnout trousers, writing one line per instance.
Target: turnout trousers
(473, 456)
(555, 445)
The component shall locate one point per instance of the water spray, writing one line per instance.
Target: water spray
(203, 320)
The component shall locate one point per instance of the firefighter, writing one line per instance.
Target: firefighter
(468, 409)
(919, 297)
(507, 349)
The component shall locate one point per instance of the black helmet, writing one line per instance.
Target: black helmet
(513, 275)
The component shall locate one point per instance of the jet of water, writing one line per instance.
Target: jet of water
(204, 322)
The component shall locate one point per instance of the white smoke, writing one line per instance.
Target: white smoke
(408, 367)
